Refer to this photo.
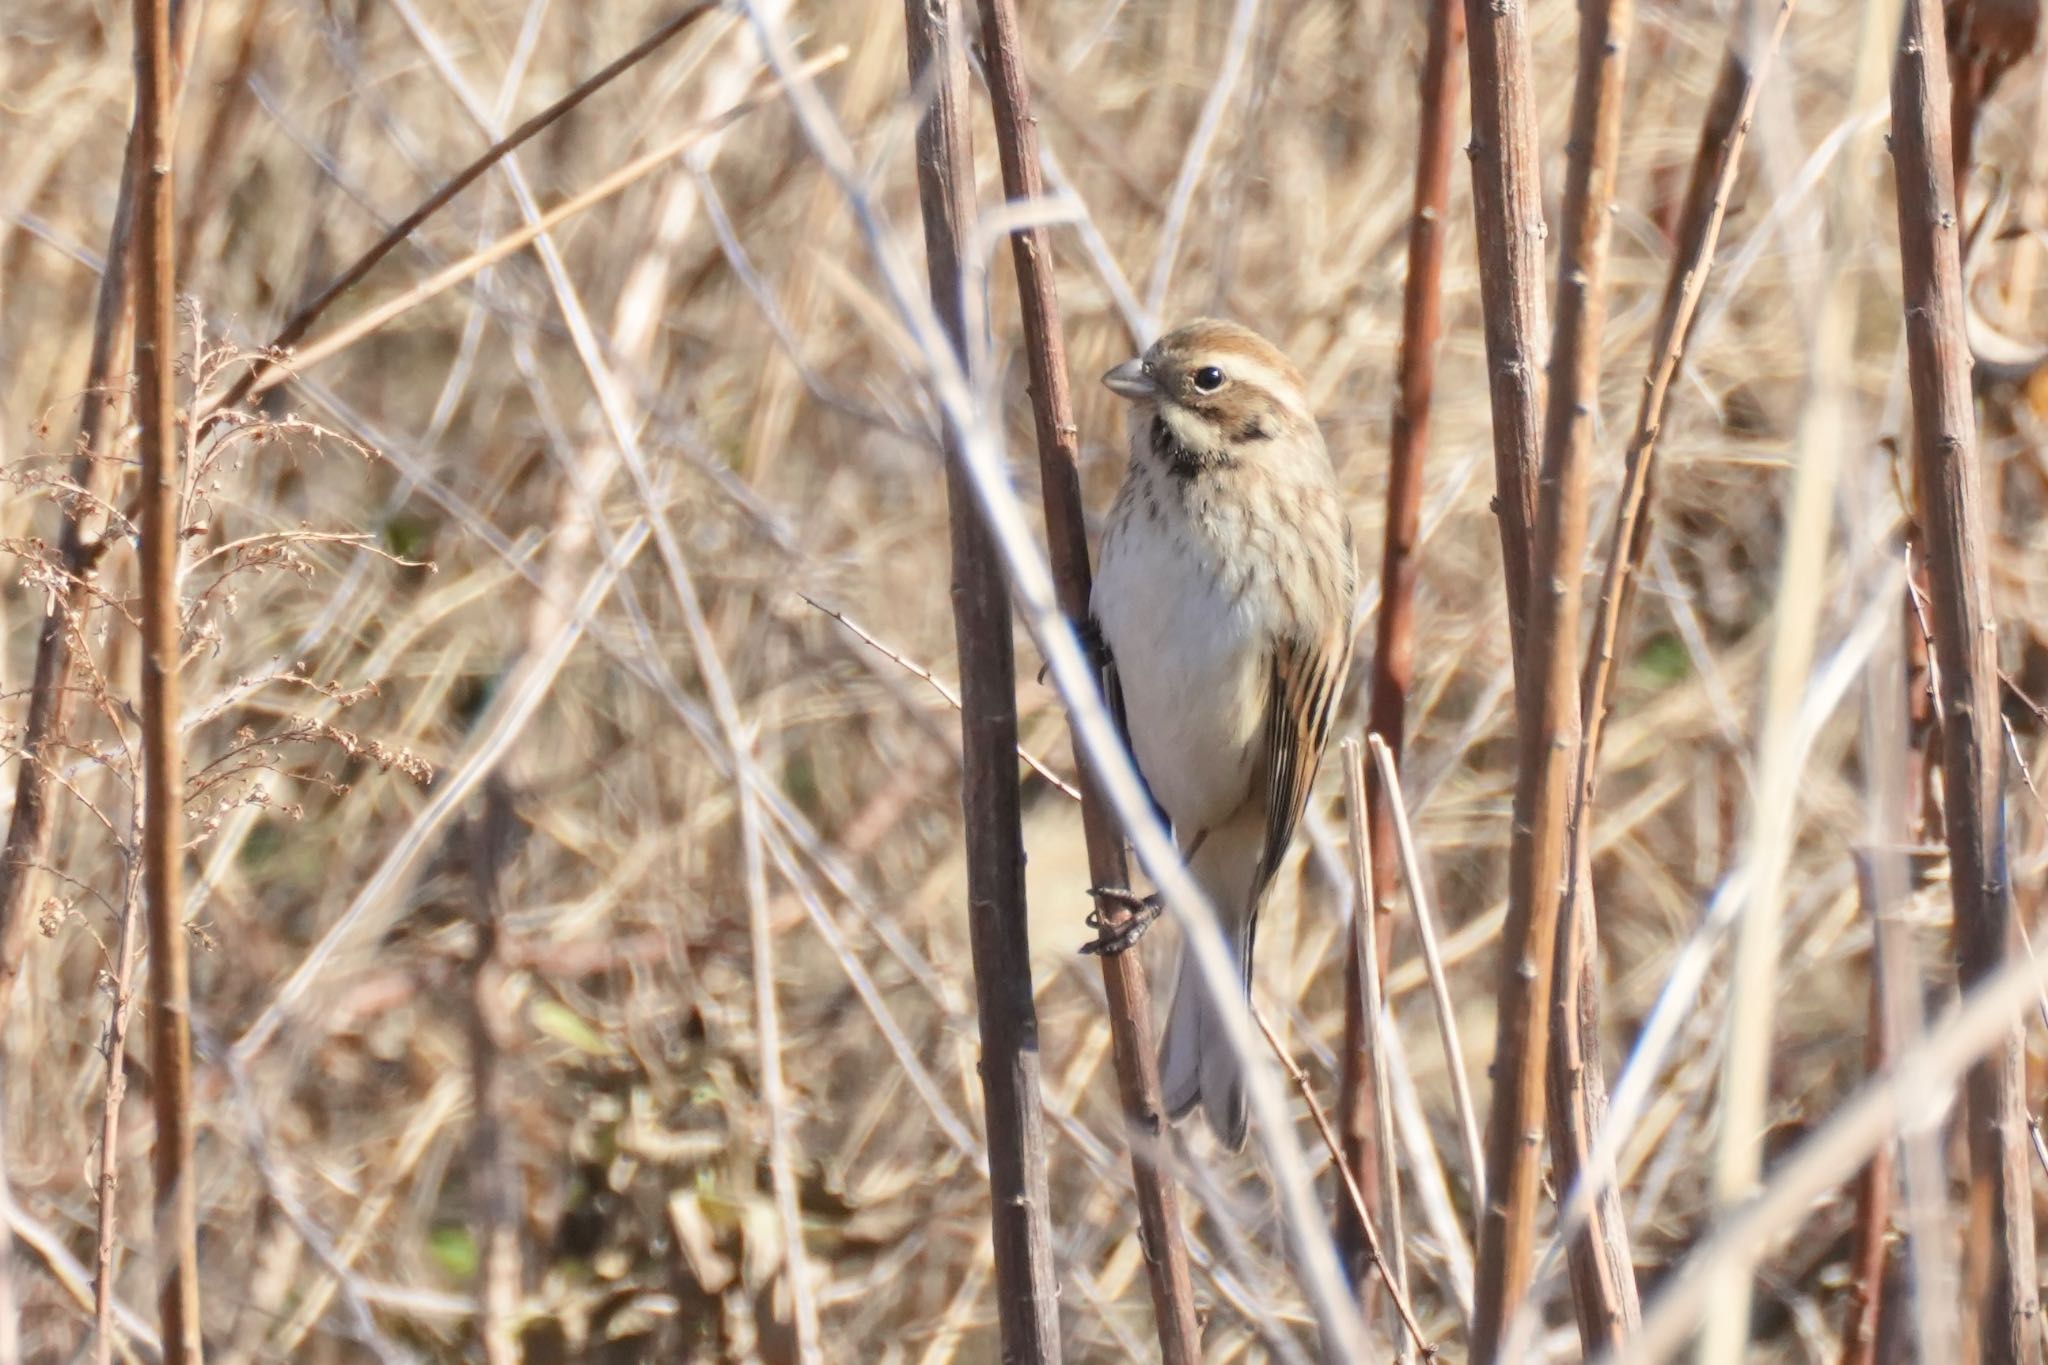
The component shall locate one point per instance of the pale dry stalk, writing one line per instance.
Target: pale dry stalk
(2001, 1260)
(1066, 528)
(1027, 1291)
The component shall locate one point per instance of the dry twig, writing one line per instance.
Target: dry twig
(1550, 864)
(2002, 1257)
(1123, 974)
(1393, 657)
(1027, 1294)
(163, 757)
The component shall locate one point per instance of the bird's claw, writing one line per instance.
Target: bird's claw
(1112, 939)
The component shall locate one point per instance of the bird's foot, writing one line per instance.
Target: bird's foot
(1123, 935)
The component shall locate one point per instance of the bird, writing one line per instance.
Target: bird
(1221, 612)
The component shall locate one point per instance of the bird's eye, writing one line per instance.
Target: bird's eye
(1208, 379)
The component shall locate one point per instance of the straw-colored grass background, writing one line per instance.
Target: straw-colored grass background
(795, 454)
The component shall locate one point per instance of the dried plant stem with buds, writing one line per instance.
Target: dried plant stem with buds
(2001, 1255)
(176, 1234)
(1508, 207)
(1393, 658)
(1123, 974)
(1550, 863)
(1027, 1292)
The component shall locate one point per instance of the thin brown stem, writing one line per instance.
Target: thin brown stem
(1508, 207)
(1393, 660)
(1722, 133)
(1374, 1042)
(2001, 1258)
(1026, 1288)
(1375, 1246)
(1123, 974)
(1552, 866)
(1507, 204)
(163, 760)
(32, 822)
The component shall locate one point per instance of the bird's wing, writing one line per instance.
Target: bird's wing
(1113, 693)
(1300, 699)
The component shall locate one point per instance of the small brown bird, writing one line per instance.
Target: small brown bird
(1223, 606)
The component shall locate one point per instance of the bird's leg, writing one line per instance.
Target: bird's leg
(1123, 935)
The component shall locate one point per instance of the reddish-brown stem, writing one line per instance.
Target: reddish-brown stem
(1722, 132)
(1508, 208)
(2001, 1256)
(1602, 1273)
(1027, 1292)
(1066, 529)
(1507, 204)
(1548, 728)
(1393, 664)
(163, 766)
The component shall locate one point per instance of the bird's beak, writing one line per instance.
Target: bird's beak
(1131, 380)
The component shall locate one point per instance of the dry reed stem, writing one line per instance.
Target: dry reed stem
(1066, 528)
(1027, 1290)
(1433, 964)
(302, 322)
(1374, 1042)
(1551, 866)
(176, 1239)
(1393, 658)
(2001, 1260)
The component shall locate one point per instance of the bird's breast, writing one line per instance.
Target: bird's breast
(1190, 655)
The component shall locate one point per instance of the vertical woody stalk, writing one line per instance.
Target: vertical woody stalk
(1507, 204)
(1027, 1302)
(2001, 1253)
(1393, 660)
(1123, 974)
(1508, 208)
(1552, 866)
(163, 767)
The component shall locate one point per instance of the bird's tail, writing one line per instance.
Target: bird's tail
(1196, 1062)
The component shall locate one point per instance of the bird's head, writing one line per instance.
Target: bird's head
(1214, 391)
